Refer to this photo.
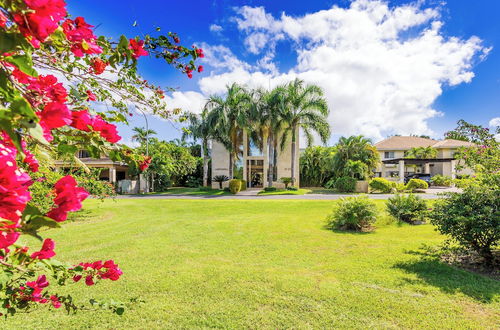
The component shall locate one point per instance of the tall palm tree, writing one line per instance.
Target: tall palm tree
(229, 117)
(199, 128)
(303, 107)
(353, 149)
(142, 134)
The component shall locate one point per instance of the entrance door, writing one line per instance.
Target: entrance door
(255, 173)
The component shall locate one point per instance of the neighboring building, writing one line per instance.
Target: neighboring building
(394, 164)
(253, 163)
(113, 172)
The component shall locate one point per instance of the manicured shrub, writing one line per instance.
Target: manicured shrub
(441, 180)
(286, 181)
(269, 189)
(292, 188)
(345, 184)
(409, 208)
(353, 213)
(243, 185)
(193, 182)
(234, 186)
(416, 184)
(220, 179)
(398, 187)
(471, 218)
(381, 185)
(226, 189)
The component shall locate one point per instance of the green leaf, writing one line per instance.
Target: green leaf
(34, 220)
(36, 132)
(21, 107)
(23, 63)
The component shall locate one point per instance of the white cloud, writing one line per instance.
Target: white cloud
(381, 67)
(187, 101)
(216, 28)
(494, 122)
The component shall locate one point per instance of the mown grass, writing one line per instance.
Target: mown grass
(262, 264)
(284, 192)
(184, 191)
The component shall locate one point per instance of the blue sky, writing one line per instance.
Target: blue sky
(411, 99)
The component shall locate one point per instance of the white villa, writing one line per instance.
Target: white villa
(252, 164)
(394, 164)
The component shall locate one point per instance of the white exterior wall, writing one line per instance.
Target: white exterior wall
(220, 163)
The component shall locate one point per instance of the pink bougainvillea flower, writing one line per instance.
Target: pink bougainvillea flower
(46, 89)
(3, 20)
(37, 288)
(91, 96)
(7, 238)
(14, 194)
(199, 52)
(69, 198)
(79, 33)
(55, 115)
(47, 250)
(200, 68)
(89, 280)
(81, 120)
(107, 130)
(137, 47)
(29, 158)
(55, 301)
(144, 164)
(98, 66)
(77, 278)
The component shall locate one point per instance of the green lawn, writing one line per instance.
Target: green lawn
(192, 192)
(284, 192)
(262, 264)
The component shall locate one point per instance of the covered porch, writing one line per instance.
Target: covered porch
(448, 168)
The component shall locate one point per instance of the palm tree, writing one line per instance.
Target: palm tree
(142, 134)
(422, 153)
(198, 128)
(350, 150)
(229, 117)
(303, 107)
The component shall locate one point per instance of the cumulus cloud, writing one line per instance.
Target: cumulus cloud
(216, 28)
(381, 67)
(494, 122)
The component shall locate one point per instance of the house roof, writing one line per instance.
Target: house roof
(404, 143)
(450, 143)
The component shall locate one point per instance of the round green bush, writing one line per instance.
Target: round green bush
(409, 208)
(269, 189)
(345, 184)
(243, 185)
(441, 180)
(234, 186)
(381, 185)
(353, 213)
(416, 184)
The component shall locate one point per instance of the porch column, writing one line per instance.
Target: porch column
(382, 170)
(245, 154)
(427, 168)
(453, 164)
(249, 174)
(112, 174)
(401, 167)
(266, 160)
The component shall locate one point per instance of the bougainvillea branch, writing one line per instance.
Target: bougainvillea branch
(54, 71)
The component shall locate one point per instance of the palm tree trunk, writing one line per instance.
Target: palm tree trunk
(270, 170)
(230, 165)
(293, 156)
(204, 153)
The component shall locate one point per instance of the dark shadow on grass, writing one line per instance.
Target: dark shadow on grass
(449, 279)
(346, 232)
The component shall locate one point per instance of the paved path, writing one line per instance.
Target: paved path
(269, 197)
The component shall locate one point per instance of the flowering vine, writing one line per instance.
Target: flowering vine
(49, 116)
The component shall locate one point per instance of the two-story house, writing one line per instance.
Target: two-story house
(395, 164)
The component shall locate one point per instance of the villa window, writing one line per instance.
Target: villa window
(389, 154)
(83, 154)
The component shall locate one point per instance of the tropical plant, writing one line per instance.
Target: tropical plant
(355, 157)
(416, 184)
(141, 134)
(198, 128)
(303, 107)
(316, 166)
(441, 180)
(51, 116)
(220, 179)
(345, 184)
(407, 208)
(234, 186)
(228, 117)
(472, 219)
(381, 185)
(286, 181)
(353, 213)
(422, 153)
